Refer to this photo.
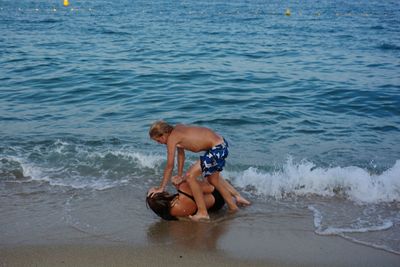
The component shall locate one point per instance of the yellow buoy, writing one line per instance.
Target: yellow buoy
(66, 3)
(287, 12)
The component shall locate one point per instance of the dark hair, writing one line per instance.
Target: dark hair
(160, 203)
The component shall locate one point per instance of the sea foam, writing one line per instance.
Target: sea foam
(67, 164)
(331, 230)
(304, 178)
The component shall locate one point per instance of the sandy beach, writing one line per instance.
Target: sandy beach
(83, 255)
(113, 256)
(225, 243)
(115, 228)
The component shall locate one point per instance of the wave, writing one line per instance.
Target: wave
(25, 171)
(61, 163)
(101, 165)
(302, 179)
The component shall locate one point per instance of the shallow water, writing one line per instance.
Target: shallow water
(309, 103)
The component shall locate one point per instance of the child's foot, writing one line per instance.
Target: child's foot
(233, 209)
(241, 201)
(199, 218)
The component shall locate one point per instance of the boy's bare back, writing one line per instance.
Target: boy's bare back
(194, 138)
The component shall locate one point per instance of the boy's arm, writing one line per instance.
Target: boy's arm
(181, 161)
(177, 181)
(171, 147)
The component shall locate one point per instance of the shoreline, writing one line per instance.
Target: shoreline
(284, 238)
(115, 255)
(88, 255)
(274, 242)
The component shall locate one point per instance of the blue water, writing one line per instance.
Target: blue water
(310, 103)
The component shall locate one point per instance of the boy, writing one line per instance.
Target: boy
(182, 137)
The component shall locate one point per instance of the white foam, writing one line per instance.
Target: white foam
(384, 225)
(87, 183)
(65, 172)
(30, 170)
(85, 153)
(36, 173)
(346, 231)
(147, 161)
(336, 230)
(143, 160)
(317, 217)
(305, 178)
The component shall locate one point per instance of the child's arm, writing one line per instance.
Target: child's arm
(181, 160)
(171, 148)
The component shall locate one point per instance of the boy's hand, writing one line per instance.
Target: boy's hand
(154, 190)
(177, 180)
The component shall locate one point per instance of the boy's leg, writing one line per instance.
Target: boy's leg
(191, 177)
(239, 199)
(215, 180)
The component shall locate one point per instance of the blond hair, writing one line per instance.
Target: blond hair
(159, 128)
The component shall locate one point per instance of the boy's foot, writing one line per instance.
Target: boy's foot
(199, 218)
(241, 201)
(233, 209)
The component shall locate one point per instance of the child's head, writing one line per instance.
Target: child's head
(160, 203)
(159, 128)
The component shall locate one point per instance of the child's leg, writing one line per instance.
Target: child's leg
(191, 177)
(215, 180)
(239, 199)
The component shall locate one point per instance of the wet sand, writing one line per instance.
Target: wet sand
(247, 241)
(87, 256)
(114, 228)
(97, 255)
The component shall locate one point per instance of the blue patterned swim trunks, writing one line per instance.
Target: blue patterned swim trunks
(214, 159)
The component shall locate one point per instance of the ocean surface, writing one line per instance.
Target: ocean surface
(310, 104)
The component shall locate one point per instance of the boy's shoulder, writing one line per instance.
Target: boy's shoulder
(179, 128)
(187, 127)
(178, 132)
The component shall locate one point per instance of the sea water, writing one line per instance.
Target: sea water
(309, 103)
